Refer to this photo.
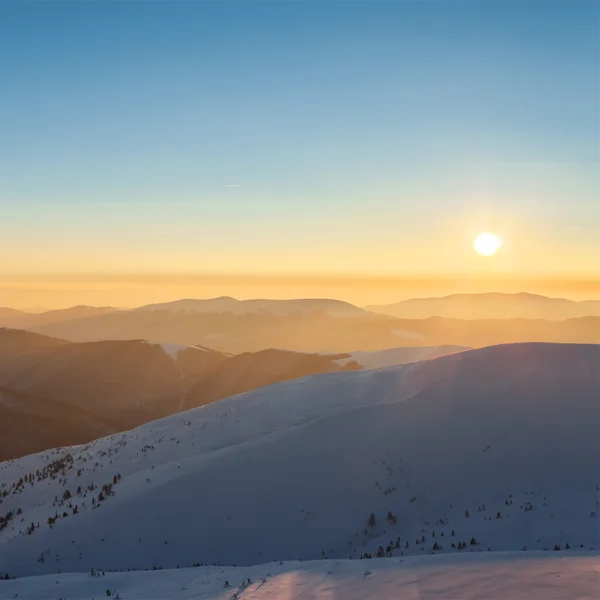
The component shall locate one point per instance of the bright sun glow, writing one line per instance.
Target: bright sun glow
(487, 244)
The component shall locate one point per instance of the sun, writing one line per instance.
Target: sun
(487, 244)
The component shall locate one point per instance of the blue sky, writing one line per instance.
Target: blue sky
(159, 134)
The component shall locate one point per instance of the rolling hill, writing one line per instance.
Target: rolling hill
(15, 341)
(111, 379)
(489, 575)
(10, 313)
(226, 304)
(252, 370)
(30, 423)
(57, 393)
(25, 320)
(316, 332)
(496, 449)
(490, 306)
(398, 356)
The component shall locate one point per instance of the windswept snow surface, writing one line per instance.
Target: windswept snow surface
(398, 356)
(489, 576)
(496, 448)
(173, 350)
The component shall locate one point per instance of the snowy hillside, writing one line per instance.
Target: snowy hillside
(493, 576)
(398, 356)
(492, 449)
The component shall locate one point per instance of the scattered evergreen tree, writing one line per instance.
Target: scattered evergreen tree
(372, 522)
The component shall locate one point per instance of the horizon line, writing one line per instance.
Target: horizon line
(300, 276)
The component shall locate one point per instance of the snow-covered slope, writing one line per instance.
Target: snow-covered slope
(496, 448)
(489, 576)
(398, 356)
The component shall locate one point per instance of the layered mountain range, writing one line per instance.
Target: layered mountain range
(234, 326)
(54, 392)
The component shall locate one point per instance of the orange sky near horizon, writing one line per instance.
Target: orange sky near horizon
(366, 260)
(157, 168)
(130, 290)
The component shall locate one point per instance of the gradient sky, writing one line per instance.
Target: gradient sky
(350, 138)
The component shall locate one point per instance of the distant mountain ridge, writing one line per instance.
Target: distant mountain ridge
(237, 326)
(224, 304)
(24, 320)
(10, 313)
(235, 334)
(494, 305)
(15, 341)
